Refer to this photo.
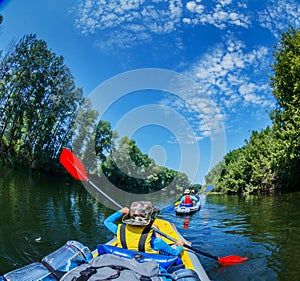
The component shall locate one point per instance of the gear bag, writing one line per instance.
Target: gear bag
(111, 267)
(116, 268)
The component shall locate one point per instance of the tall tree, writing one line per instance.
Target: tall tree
(83, 138)
(270, 160)
(104, 139)
(286, 117)
(38, 103)
(131, 170)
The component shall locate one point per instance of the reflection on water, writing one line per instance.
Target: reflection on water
(266, 229)
(40, 213)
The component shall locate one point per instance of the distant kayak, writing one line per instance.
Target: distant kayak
(186, 210)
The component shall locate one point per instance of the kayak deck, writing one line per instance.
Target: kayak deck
(66, 260)
(188, 257)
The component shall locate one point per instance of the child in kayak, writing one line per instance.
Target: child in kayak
(188, 199)
(136, 231)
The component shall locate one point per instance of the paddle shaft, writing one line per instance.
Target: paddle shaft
(75, 167)
(157, 230)
(104, 194)
(228, 260)
(187, 246)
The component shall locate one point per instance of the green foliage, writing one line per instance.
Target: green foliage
(213, 176)
(196, 187)
(41, 111)
(286, 82)
(286, 117)
(38, 102)
(270, 160)
(131, 170)
(83, 138)
(104, 139)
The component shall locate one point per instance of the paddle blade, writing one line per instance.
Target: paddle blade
(73, 165)
(230, 260)
(209, 188)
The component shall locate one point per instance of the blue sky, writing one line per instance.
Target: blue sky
(224, 47)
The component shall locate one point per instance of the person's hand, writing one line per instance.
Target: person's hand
(179, 242)
(124, 211)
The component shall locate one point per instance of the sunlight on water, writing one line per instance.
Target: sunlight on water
(39, 214)
(264, 229)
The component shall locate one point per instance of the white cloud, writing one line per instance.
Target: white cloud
(101, 15)
(194, 7)
(123, 40)
(159, 17)
(232, 73)
(230, 78)
(277, 15)
(224, 14)
(104, 17)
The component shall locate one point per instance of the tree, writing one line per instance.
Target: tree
(270, 160)
(286, 81)
(131, 170)
(104, 139)
(286, 117)
(213, 176)
(38, 104)
(126, 166)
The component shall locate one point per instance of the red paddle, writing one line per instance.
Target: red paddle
(73, 165)
(76, 168)
(228, 260)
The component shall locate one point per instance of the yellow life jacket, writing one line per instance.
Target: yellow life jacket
(135, 238)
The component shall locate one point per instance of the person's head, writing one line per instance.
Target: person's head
(193, 192)
(141, 213)
(186, 192)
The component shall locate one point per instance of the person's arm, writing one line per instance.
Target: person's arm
(182, 199)
(110, 221)
(161, 245)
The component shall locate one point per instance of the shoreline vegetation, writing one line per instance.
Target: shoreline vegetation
(42, 111)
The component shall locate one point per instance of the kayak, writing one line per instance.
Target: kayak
(74, 258)
(185, 267)
(189, 258)
(187, 210)
(53, 266)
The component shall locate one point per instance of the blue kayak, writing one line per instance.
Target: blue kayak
(73, 260)
(187, 210)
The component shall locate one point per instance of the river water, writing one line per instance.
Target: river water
(39, 213)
